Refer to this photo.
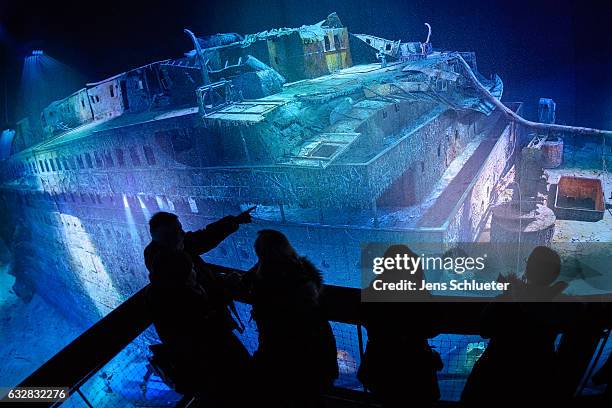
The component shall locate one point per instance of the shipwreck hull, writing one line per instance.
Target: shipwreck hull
(88, 226)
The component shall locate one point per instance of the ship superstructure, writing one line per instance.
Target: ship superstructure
(337, 140)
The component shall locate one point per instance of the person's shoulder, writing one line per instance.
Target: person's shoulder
(149, 254)
(163, 257)
(154, 251)
(149, 247)
(310, 271)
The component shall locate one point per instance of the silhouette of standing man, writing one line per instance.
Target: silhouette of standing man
(191, 307)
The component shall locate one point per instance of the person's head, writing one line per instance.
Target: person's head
(166, 230)
(272, 245)
(543, 266)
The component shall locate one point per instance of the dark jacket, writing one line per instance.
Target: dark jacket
(398, 364)
(519, 365)
(297, 349)
(189, 305)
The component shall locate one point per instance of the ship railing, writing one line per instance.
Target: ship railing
(107, 365)
(213, 97)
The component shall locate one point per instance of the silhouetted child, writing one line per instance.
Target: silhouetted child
(519, 364)
(296, 359)
(399, 365)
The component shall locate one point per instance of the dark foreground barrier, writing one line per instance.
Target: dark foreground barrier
(81, 363)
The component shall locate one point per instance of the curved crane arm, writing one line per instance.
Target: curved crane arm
(519, 119)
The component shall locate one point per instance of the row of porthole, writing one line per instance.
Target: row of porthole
(98, 159)
(161, 203)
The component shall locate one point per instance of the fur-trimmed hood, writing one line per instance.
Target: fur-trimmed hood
(286, 283)
(297, 271)
(311, 272)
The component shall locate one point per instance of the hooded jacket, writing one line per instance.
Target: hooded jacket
(294, 334)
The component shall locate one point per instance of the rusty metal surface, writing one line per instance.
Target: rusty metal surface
(580, 199)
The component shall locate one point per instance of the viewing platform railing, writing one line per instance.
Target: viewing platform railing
(106, 366)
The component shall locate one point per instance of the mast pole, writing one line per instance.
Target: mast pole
(199, 56)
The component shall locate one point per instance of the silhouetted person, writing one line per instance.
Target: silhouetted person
(189, 304)
(399, 365)
(296, 360)
(519, 365)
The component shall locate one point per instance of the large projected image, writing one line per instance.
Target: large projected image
(337, 136)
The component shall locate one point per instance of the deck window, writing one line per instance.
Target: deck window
(134, 156)
(327, 46)
(120, 159)
(149, 155)
(108, 159)
(98, 157)
(192, 204)
(88, 160)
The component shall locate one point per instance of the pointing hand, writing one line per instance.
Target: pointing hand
(245, 216)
